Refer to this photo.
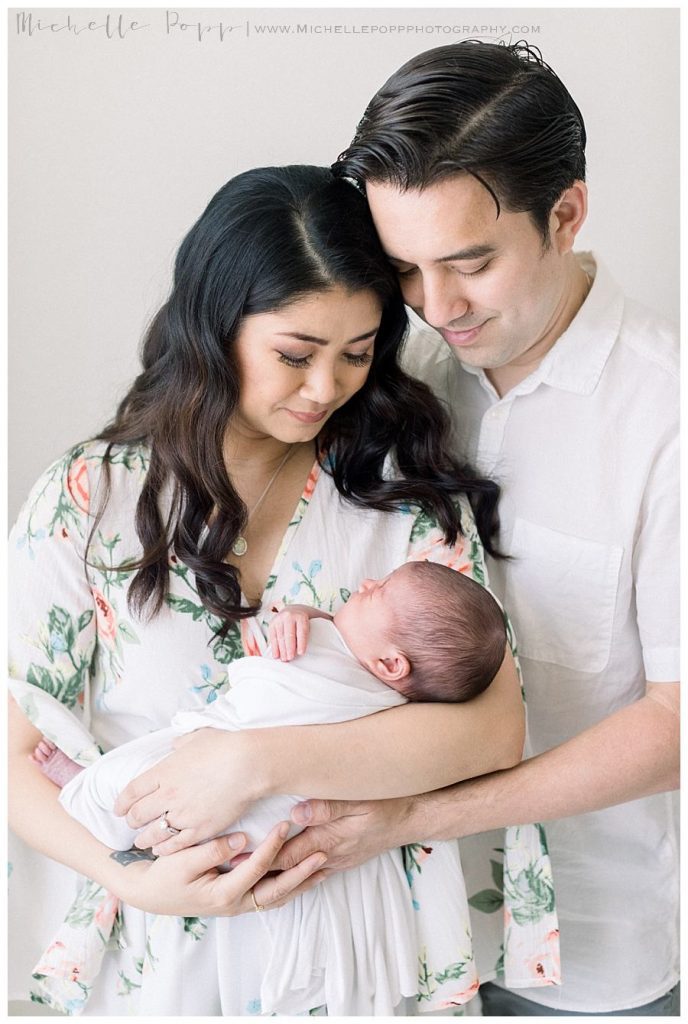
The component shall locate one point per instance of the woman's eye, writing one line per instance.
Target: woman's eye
(406, 273)
(358, 360)
(296, 361)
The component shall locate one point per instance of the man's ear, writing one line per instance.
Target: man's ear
(393, 669)
(568, 216)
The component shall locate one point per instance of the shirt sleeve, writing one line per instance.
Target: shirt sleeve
(53, 610)
(656, 568)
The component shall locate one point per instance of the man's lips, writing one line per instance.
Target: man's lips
(308, 417)
(460, 338)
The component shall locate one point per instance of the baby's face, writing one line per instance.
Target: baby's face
(368, 618)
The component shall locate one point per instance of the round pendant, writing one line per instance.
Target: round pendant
(239, 547)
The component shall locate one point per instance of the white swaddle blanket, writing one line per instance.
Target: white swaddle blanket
(350, 943)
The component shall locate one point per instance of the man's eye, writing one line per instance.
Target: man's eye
(296, 361)
(472, 273)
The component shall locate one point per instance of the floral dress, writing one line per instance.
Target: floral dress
(90, 676)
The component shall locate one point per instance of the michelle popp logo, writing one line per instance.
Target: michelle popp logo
(187, 25)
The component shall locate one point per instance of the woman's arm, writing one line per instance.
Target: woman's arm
(406, 750)
(187, 884)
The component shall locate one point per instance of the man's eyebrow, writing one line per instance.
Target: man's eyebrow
(472, 252)
(298, 336)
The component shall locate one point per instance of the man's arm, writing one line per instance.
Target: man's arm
(631, 754)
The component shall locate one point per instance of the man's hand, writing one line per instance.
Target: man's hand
(349, 832)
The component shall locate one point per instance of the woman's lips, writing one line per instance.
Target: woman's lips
(308, 417)
(460, 338)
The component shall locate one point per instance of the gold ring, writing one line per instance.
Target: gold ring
(256, 904)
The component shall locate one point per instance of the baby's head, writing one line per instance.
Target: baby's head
(427, 631)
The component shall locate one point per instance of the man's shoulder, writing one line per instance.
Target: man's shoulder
(649, 338)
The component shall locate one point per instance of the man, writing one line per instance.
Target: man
(472, 158)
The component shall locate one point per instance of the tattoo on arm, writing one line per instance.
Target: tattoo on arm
(125, 857)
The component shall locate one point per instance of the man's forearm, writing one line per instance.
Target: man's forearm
(631, 754)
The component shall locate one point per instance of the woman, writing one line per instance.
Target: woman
(271, 448)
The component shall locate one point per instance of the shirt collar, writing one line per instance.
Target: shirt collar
(576, 360)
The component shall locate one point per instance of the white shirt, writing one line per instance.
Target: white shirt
(586, 452)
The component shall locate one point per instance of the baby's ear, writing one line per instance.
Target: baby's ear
(393, 669)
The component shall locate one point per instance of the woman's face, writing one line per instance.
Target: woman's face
(299, 364)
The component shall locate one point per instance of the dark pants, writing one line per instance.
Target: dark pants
(502, 1002)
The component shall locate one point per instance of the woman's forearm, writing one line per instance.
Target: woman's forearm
(411, 749)
(36, 816)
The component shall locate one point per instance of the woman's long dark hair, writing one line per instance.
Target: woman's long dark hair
(269, 237)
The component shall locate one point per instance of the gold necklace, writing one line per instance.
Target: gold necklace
(240, 545)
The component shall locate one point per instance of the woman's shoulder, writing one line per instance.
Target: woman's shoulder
(67, 491)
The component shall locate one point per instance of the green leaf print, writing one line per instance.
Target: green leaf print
(413, 855)
(497, 874)
(186, 607)
(61, 629)
(425, 978)
(477, 570)
(543, 837)
(84, 620)
(530, 892)
(454, 971)
(39, 676)
(195, 927)
(128, 633)
(422, 526)
(487, 901)
(87, 902)
(126, 985)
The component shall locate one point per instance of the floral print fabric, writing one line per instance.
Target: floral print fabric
(90, 677)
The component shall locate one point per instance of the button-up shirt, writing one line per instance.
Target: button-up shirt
(586, 452)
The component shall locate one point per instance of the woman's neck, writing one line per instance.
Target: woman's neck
(255, 454)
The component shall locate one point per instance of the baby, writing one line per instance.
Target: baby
(424, 633)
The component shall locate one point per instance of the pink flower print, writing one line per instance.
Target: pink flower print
(461, 997)
(77, 484)
(248, 641)
(311, 482)
(545, 966)
(105, 914)
(105, 617)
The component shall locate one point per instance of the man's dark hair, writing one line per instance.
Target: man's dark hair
(498, 113)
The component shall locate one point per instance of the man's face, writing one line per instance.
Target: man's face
(485, 282)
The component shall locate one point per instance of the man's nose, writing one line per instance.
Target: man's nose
(442, 299)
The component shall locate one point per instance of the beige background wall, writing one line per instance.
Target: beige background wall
(116, 145)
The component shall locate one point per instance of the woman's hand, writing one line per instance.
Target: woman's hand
(208, 781)
(189, 884)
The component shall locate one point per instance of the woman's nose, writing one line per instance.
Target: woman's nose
(320, 386)
(366, 585)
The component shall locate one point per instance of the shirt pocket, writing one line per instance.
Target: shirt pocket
(561, 596)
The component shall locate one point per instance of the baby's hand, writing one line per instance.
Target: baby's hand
(288, 631)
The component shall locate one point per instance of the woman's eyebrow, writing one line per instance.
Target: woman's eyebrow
(298, 336)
